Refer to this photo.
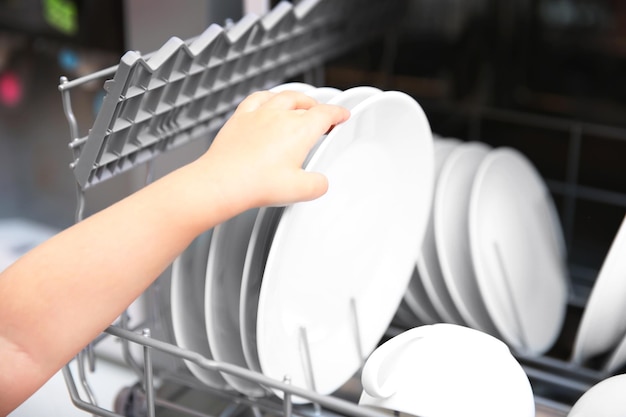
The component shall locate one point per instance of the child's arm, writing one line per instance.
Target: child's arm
(62, 294)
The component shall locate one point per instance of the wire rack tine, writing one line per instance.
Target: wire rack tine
(329, 402)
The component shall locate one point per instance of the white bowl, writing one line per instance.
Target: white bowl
(605, 399)
(446, 370)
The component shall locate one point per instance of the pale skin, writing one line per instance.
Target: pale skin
(62, 294)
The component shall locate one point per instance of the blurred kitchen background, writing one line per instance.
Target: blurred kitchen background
(544, 76)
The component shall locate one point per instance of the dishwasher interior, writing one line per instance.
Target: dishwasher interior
(536, 75)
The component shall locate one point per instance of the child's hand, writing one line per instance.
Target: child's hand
(257, 156)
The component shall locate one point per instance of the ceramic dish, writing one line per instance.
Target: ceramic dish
(339, 265)
(516, 244)
(293, 86)
(323, 94)
(187, 306)
(604, 399)
(446, 370)
(254, 265)
(262, 235)
(351, 97)
(451, 207)
(602, 324)
(222, 295)
(428, 268)
(416, 299)
(617, 359)
(348, 99)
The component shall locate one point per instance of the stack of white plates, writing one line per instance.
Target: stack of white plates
(307, 291)
(602, 328)
(493, 257)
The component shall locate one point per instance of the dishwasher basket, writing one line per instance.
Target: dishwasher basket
(158, 102)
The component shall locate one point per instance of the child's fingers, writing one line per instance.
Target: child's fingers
(290, 100)
(255, 100)
(325, 116)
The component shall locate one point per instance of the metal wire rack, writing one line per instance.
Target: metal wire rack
(157, 102)
(185, 91)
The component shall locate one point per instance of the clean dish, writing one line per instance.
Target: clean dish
(517, 251)
(450, 212)
(429, 271)
(604, 399)
(187, 306)
(617, 359)
(339, 265)
(222, 295)
(351, 97)
(323, 94)
(446, 370)
(263, 233)
(292, 86)
(254, 265)
(602, 324)
(416, 297)
(418, 302)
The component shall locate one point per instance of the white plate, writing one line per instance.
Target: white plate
(346, 257)
(222, 295)
(254, 266)
(323, 94)
(517, 250)
(602, 324)
(451, 207)
(418, 302)
(293, 86)
(351, 97)
(604, 399)
(348, 99)
(429, 271)
(187, 305)
(617, 358)
(416, 297)
(263, 233)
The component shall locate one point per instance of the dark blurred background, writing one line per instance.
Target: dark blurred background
(544, 76)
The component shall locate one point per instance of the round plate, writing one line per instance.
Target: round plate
(451, 207)
(339, 265)
(416, 298)
(348, 99)
(602, 324)
(263, 233)
(517, 250)
(617, 358)
(187, 305)
(323, 94)
(604, 399)
(429, 271)
(351, 97)
(293, 86)
(253, 268)
(418, 302)
(222, 295)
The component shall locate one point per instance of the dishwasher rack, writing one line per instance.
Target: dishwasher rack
(185, 91)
